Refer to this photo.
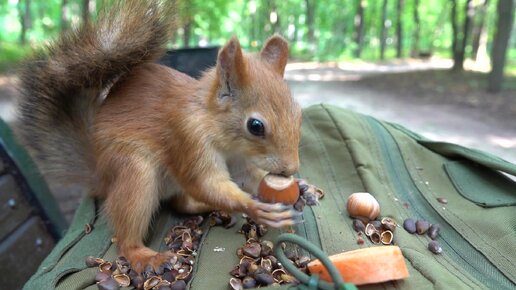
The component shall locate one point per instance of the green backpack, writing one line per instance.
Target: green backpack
(344, 152)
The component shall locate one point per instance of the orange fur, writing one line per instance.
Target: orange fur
(160, 134)
(158, 123)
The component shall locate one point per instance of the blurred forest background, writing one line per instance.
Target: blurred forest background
(340, 30)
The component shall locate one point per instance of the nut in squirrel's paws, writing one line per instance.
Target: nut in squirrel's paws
(276, 188)
(283, 199)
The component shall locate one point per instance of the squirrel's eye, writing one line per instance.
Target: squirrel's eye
(256, 127)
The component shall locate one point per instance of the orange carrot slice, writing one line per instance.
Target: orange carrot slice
(365, 266)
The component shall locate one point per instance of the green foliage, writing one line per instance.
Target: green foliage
(11, 54)
(212, 22)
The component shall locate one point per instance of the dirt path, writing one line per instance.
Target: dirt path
(440, 106)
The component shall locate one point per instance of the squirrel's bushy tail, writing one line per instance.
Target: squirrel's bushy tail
(62, 86)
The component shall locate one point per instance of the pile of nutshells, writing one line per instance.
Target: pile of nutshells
(379, 232)
(258, 266)
(221, 218)
(422, 227)
(182, 240)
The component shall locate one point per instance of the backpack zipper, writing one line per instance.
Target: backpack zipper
(454, 245)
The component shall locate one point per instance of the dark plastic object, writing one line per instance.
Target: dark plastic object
(191, 61)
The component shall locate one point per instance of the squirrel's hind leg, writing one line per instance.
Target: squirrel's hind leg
(132, 200)
(186, 204)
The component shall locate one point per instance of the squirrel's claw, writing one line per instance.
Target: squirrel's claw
(277, 215)
(273, 207)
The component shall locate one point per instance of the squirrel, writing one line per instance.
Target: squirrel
(95, 107)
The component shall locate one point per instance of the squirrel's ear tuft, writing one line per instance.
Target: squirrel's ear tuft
(275, 52)
(231, 65)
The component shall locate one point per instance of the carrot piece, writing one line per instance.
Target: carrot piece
(365, 266)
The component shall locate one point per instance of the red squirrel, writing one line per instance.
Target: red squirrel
(96, 107)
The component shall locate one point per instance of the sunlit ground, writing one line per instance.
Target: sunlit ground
(503, 142)
(351, 71)
(466, 123)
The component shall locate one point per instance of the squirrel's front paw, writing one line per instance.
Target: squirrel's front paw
(276, 215)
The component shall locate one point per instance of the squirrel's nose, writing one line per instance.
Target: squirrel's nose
(289, 170)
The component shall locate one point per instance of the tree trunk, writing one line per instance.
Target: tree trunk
(310, 23)
(359, 28)
(498, 53)
(414, 51)
(399, 30)
(460, 48)
(455, 29)
(383, 30)
(470, 12)
(25, 20)
(64, 15)
(86, 11)
(479, 29)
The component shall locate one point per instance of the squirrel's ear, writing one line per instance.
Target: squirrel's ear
(231, 66)
(275, 52)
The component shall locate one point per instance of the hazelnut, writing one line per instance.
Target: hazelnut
(376, 238)
(363, 204)
(151, 282)
(276, 188)
(370, 229)
(422, 226)
(236, 284)
(248, 282)
(386, 237)
(409, 225)
(442, 200)
(178, 285)
(434, 247)
(358, 225)
(122, 279)
(433, 231)
(389, 224)
(93, 261)
(108, 284)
